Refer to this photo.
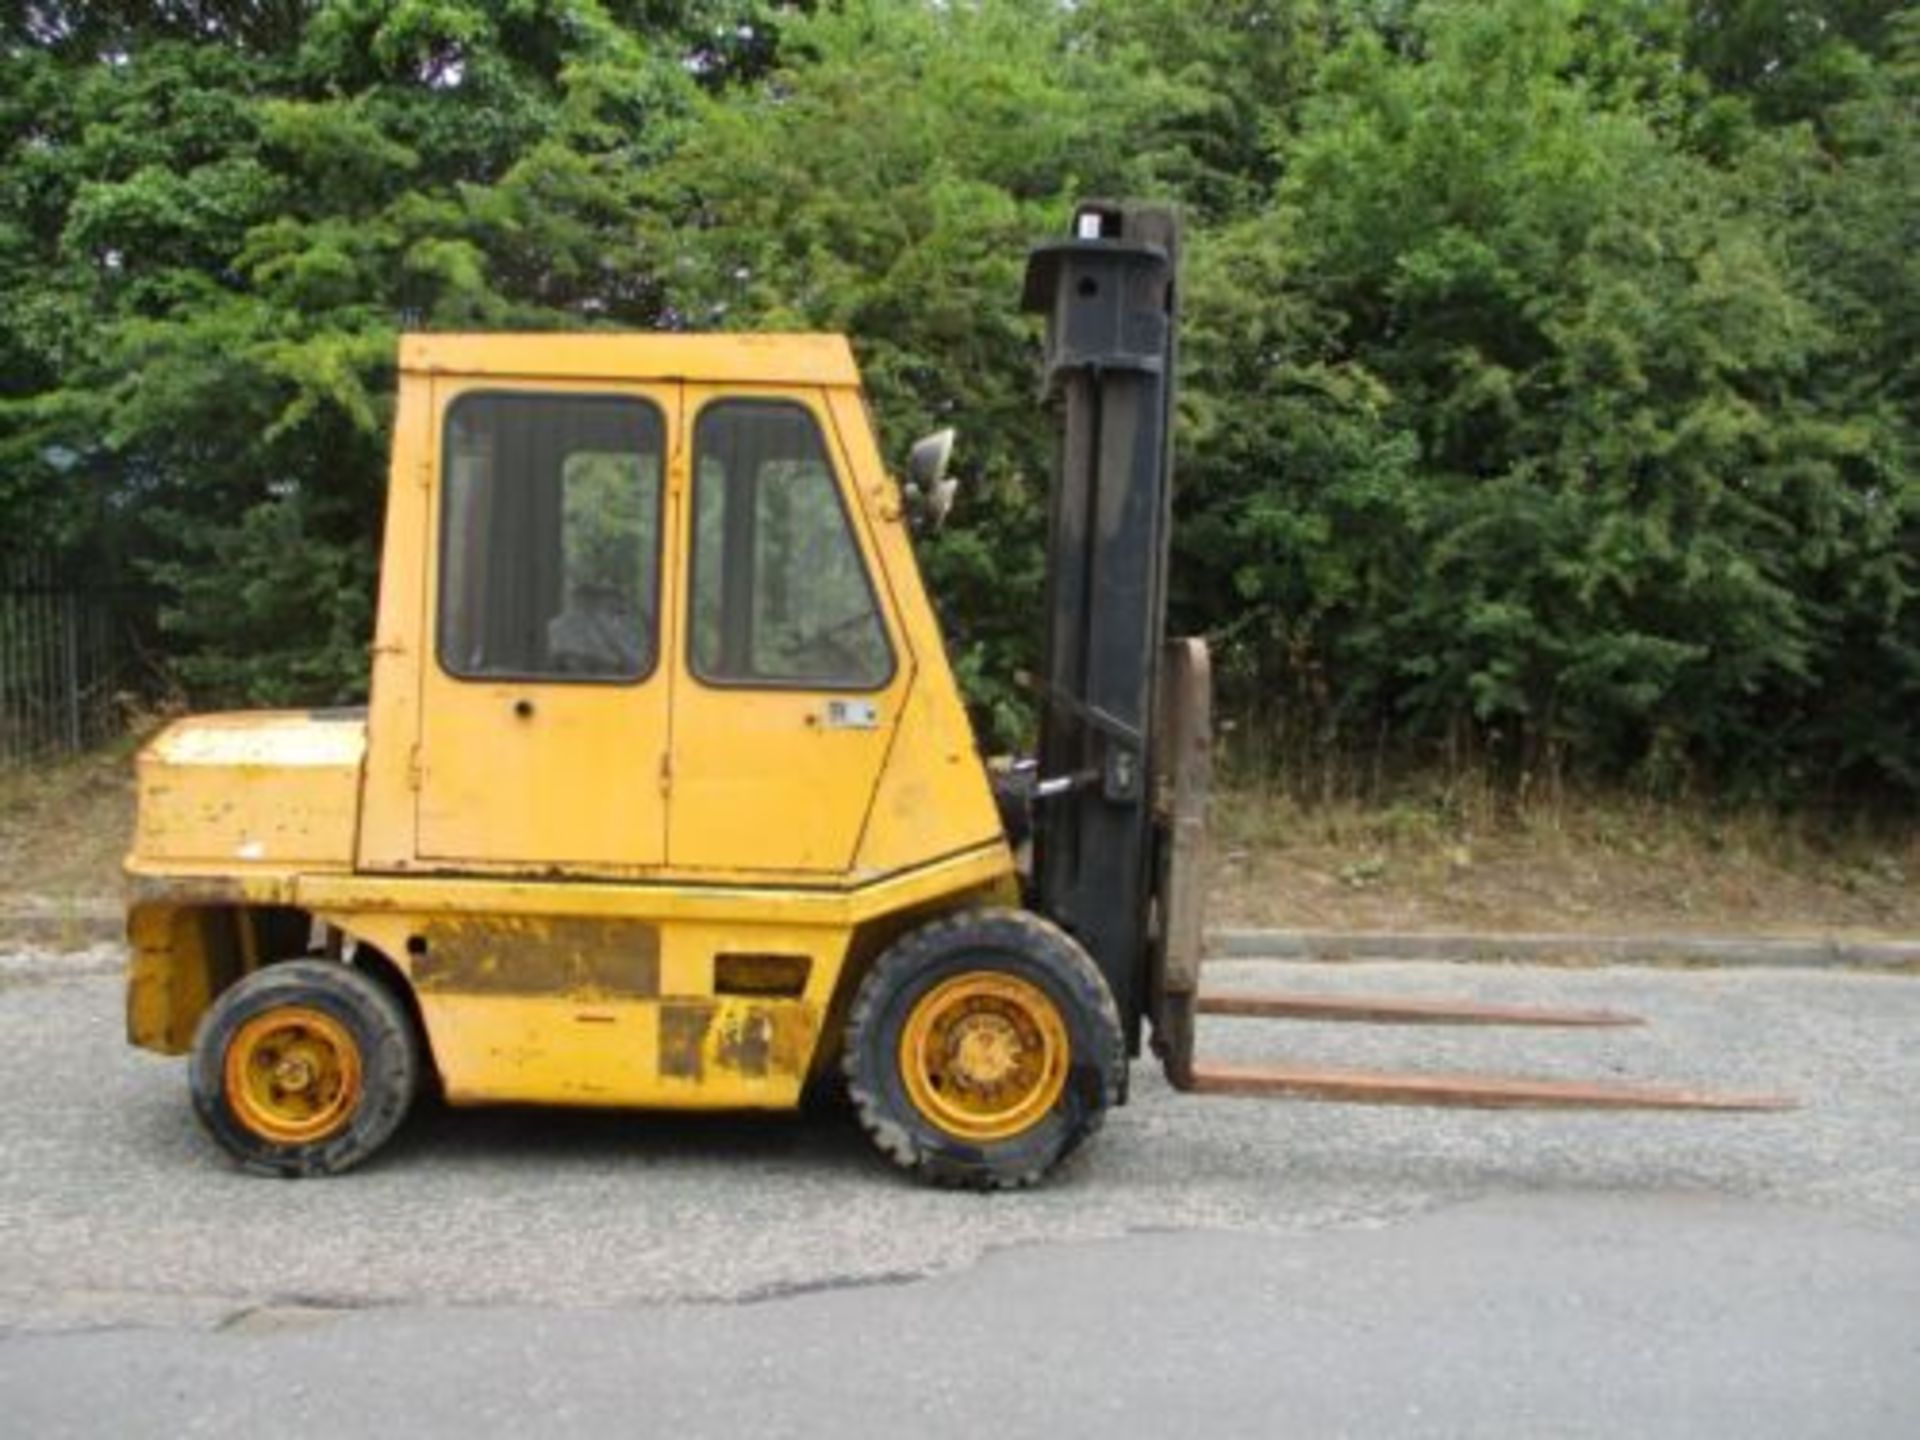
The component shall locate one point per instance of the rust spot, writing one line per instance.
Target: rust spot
(763, 1040)
(683, 1036)
(793, 1038)
(198, 890)
(536, 955)
(746, 1042)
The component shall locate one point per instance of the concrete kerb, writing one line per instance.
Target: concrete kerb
(61, 924)
(1334, 946)
(73, 924)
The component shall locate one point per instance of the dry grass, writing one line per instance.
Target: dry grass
(1455, 858)
(64, 828)
(1447, 859)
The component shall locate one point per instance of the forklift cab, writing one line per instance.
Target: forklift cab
(658, 623)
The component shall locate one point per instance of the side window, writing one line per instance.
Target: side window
(550, 537)
(780, 592)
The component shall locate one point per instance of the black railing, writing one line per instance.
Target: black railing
(66, 659)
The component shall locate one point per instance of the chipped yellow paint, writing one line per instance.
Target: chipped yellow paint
(563, 993)
(558, 893)
(586, 960)
(170, 976)
(402, 636)
(602, 1043)
(679, 1054)
(240, 791)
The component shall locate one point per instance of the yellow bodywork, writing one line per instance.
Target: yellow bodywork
(277, 788)
(649, 895)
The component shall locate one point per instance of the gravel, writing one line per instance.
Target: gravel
(115, 1209)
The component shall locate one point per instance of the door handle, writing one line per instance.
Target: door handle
(523, 709)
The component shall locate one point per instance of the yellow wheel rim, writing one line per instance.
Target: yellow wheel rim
(984, 1055)
(293, 1075)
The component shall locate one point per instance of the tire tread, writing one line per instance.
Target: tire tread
(390, 1064)
(999, 928)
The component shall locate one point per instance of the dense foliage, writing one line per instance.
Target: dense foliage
(1551, 381)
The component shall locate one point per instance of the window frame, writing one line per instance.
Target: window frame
(823, 430)
(443, 522)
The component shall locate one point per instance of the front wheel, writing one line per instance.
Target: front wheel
(304, 1068)
(982, 1049)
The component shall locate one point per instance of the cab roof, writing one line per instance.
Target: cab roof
(612, 355)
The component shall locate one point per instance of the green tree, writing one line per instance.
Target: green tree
(1548, 471)
(222, 217)
(886, 181)
(1551, 364)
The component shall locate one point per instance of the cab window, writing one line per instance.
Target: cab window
(550, 528)
(781, 596)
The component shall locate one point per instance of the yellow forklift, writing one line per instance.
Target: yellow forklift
(665, 796)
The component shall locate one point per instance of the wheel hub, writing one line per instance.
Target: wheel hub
(293, 1075)
(984, 1055)
(985, 1050)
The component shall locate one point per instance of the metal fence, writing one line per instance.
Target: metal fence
(64, 660)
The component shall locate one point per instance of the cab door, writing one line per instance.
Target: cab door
(544, 704)
(791, 665)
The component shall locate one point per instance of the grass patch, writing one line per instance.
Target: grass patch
(1464, 858)
(64, 829)
(1435, 858)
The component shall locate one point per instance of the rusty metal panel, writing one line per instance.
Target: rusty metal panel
(683, 1037)
(539, 955)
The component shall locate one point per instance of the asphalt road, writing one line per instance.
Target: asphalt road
(1225, 1267)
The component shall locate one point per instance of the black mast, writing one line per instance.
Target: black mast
(1109, 298)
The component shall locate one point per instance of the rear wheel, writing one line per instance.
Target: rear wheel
(304, 1068)
(982, 1049)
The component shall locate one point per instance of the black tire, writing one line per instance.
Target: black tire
(386, 1050)
(1006, 942)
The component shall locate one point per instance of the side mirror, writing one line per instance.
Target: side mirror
(929, 487)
